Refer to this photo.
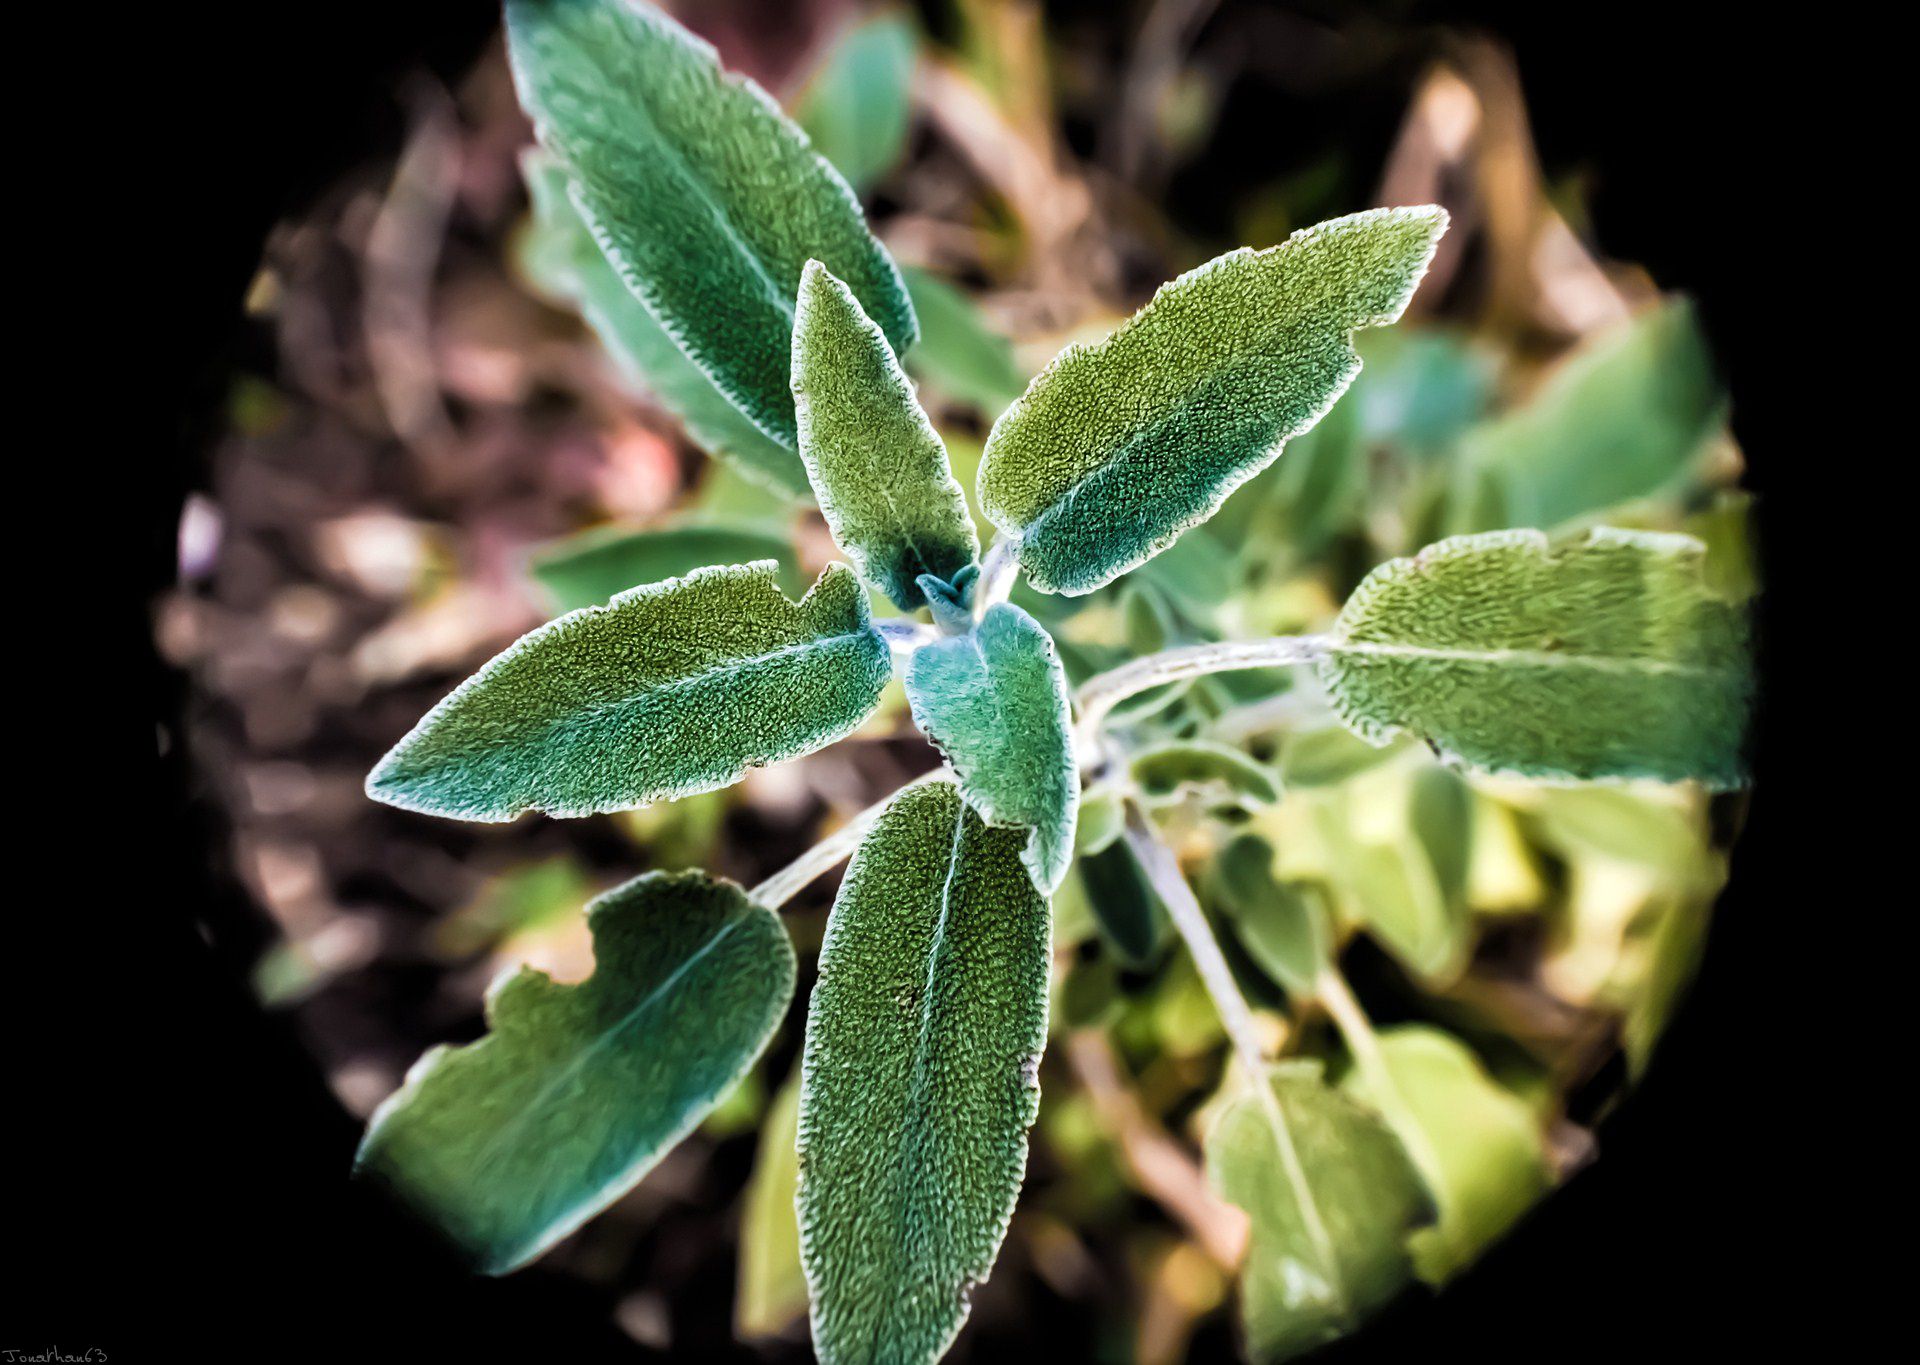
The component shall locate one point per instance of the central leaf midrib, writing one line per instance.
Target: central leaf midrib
(580, 1059)
(917, 1080)
(1536, 658)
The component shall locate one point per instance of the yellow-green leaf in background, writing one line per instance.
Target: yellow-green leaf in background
(707, 200)
(1118, 447)
(921, 1078)
(1605, 656)
(1283, 926)
(772, 1289)
(670, 689)
(878, 468)
(1478, 1144)
(1332, 1198)
(1624, 417)
(508, 1144)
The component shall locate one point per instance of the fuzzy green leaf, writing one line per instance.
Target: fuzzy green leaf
(1607, 656)
(1284, 928)
(509, 1143)
(921, 1078)
(1484, 1147)
(857, 107)
(707, 199)
(995, 702)
(1331, 1196)
(772, 1286)
(564, 260)
(587, 569)
(670, 689)
(1623, 418)
(1119, 447)
(878, 467)
(959, 354)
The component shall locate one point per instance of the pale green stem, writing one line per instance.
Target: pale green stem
(998, 569)
(1356, 1030)
(1163, 873)
(1100, 694)
(836, 848)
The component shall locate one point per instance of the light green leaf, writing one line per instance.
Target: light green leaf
(1217, 772)
(705, 198)
(958, 353)
(1329, 755)
(857, 106)
(878, 467)
(670, 689)
(1331, 1196)
(1623, 418)
(995, 702)
(1606, 656)
(587, 569)
(921, 1078)
(510, 1143)
(1488, 1162)
(563, 259)
(1118, 447)
(772, 1289)
(1283, 927)
(1391, 886)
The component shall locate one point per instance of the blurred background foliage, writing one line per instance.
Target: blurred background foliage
(445, 455)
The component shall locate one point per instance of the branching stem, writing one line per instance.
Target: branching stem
(1163, 873)
(838, 846)
(1100, 694)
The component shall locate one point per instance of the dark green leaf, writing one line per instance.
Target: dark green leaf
(565, 261)
(1119, 447)
(921, 1078)
(995, 702)
(509, 1143)
(1283, 927)
(1128, 913)
(706, 199)
(1607, 656)
(669, 689)
(877, 466)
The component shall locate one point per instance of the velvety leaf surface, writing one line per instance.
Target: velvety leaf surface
(857, 106)
(772, 1288)
(877, 465)
(995, 702)
(1602, 657)
(669, 689)
(1329, 1227)
(958, 353)
(921, 1078)
(585, 570)
(1623, 418)
(509, 1143)
(564, 260)
(1480, 1146)
(707, 199)
(1118, 447)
